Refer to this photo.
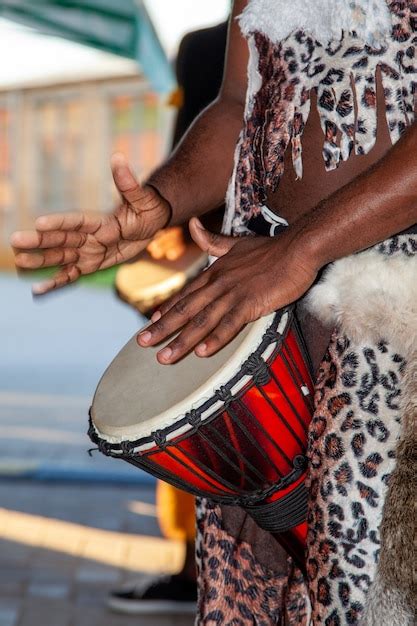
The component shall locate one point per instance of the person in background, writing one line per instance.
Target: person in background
(199, 71)
(173, 593)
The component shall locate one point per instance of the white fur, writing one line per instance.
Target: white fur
(370, 297)
(324, 19)
(254, 76)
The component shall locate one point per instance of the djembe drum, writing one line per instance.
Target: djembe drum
(232, 427)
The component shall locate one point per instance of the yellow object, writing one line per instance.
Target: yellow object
(176, 98)
(168, 244)
(52, 537)
(176, 512)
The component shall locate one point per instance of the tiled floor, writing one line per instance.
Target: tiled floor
(63, 547)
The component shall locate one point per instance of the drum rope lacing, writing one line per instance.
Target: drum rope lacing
(256, 367)
(248, 500)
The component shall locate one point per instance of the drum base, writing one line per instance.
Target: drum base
(285, 518)
(294, 543)
(277, 515)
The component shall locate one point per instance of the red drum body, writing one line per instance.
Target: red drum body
(245, 444)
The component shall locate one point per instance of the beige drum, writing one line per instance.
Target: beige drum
(149, 282)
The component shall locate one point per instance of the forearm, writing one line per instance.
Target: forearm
(377, 204)
(194, 179)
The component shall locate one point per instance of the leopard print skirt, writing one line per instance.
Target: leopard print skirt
(352, 442)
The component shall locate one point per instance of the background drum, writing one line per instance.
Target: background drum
(150, 281)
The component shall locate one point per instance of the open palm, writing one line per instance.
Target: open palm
(81, 243)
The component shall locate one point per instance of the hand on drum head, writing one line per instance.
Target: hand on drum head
(81, 243)
(253, 277)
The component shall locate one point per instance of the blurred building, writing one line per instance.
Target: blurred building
(58, 129)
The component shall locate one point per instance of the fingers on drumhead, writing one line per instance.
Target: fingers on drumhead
(191, 288)
(228, 328)
(198, 327)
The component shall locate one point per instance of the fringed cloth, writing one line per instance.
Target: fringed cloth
(335, 47)
(362, 481)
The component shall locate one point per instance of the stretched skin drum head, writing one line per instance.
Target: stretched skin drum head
(137, 396)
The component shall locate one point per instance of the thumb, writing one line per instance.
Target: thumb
(213, 244)
(124, 179)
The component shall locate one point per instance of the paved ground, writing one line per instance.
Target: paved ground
(63, 547)
(64, 544)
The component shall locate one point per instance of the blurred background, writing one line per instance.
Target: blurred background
(78, 81)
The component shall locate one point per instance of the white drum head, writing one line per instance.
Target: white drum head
(137, 395)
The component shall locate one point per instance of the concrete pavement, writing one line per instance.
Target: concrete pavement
(62, 548)
(81, 525)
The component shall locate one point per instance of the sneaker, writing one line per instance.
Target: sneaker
(166, 595)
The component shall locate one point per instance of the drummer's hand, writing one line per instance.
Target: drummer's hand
(253, 277)
(81, 243)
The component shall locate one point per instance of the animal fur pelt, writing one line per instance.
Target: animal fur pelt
(370, 297)
(325, 20)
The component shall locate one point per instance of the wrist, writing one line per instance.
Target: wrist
(309, 238)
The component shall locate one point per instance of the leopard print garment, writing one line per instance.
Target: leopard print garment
(235, 589)
(351, 449)
(352, 444)
(343, 72)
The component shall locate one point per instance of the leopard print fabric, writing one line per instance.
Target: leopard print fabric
(234, 588)
(344, 75)
(352, 444)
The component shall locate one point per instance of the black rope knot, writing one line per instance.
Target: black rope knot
(92, 433)
(127, 449)
(104, 447)
(300, 462)
(224, 395)
(193, 417)
(256, 367)
(271, 335)
(160, 439)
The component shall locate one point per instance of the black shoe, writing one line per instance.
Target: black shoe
(166, 595)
